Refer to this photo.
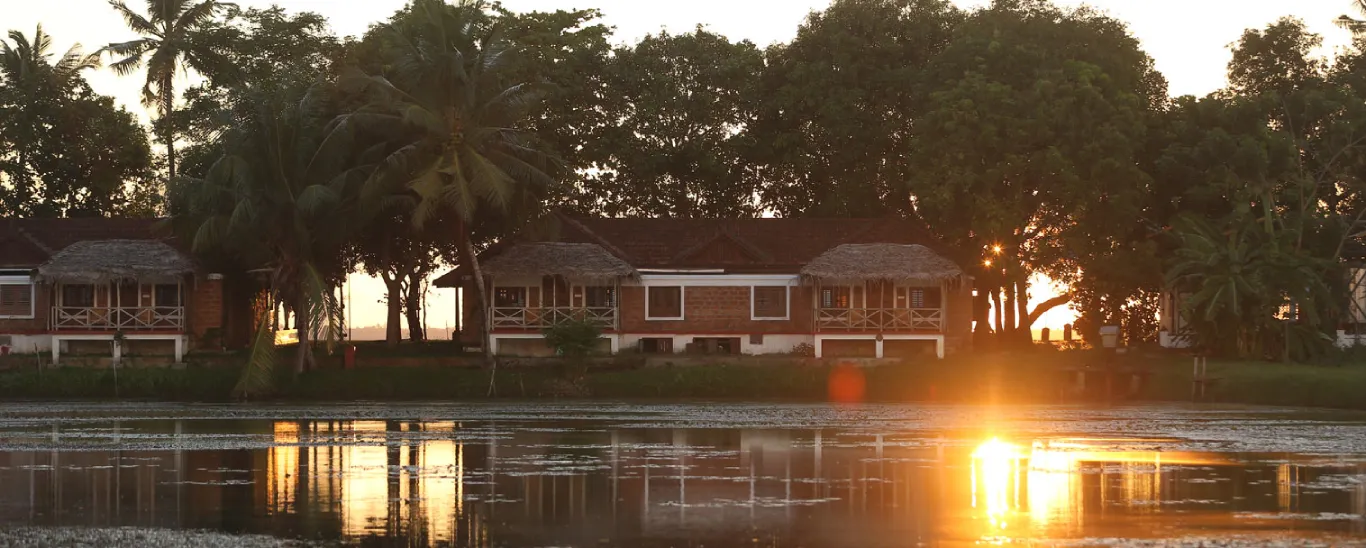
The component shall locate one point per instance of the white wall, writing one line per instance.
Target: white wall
(773, 344)
(28, 344)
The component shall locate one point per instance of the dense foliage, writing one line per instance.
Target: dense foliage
(1038, 140)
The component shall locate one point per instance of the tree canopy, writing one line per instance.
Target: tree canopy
(1038, 140)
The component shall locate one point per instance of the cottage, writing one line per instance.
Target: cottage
(102, 286)
(831, 287)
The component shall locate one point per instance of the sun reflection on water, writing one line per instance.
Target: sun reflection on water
(996, 481)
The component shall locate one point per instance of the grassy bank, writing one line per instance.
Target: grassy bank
(1031, 377)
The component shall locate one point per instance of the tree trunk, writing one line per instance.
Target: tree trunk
(168, 123)
(413, 307)
(1047, 305)
(393, 326)
(1010, 298)
(997, 310)
(303, 326)
(1022, 310)
(467, 247)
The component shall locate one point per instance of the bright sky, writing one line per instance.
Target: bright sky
(1188, 39)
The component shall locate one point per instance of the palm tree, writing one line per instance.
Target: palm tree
(1357, 26)
(28, 67)
(279, 201)
(23, 60)
(170, 42)
(468, 156)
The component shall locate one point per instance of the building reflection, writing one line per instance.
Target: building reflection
(421, 483)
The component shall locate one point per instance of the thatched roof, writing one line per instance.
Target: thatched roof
(858, 263)
(99, 261)
(589, 262)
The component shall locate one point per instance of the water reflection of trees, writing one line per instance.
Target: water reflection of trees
(444, 483)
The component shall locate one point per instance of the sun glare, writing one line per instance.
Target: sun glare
(996, 468)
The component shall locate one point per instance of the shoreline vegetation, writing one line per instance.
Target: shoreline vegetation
(1037, 377)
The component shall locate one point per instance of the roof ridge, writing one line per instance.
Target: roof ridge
(33, 240)
(724, 231)
(596, 237)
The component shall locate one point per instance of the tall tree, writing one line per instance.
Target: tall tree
(268, 48)
(281, 200)
(469, 157)
(63, 149)
(566, 55)
(833, 135)
(1351, 22)
(676, 147)
(170, 42)
(1029, 139)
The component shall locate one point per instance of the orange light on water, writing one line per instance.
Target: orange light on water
(996, 480)
(846, 384)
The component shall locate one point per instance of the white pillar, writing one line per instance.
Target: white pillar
(878, 344)
(616, 343)
(56, 350)
(118, 352)
(818, 346)
(179, 349)
(939, 346)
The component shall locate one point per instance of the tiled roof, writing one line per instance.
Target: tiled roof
(27, 243)
(767, 245)
(753, 244)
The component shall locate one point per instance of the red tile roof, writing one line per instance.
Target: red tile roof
(27, 243)
(735, 245)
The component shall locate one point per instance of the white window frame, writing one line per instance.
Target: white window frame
(32, 295)
(682, 303)
(787, 312)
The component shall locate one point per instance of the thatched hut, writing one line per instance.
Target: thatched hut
(851, 264)
(571, 261)
(104, 261)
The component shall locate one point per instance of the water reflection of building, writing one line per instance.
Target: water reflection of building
(423, 483)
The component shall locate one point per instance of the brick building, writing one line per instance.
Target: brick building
(106, 286)
(831, 287)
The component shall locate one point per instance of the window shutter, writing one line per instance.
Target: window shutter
(16, 300)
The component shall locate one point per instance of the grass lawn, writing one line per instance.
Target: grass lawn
(1014, 377)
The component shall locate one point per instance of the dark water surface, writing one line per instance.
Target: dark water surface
(606, 474)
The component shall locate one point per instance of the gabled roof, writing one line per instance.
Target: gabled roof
(587, 262)
(27, 243)
(859, 263)
(100, 261)
(768, 244)
(753, 246)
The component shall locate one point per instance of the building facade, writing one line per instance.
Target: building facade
(104, 287)
(868, 288)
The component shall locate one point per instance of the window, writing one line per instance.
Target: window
(656, 346)
(835, 297)
(166, 296)
(509, 297)
(917, 297)
(16, 299)
(78, 296)
(600, 297)
(770, 303)
(664, 303)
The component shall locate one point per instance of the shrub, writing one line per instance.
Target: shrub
(574, 338)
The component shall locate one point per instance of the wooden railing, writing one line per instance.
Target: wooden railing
(876, 320)
(541, 318)
(117, 318)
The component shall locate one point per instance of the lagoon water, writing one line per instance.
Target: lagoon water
(616, 474)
